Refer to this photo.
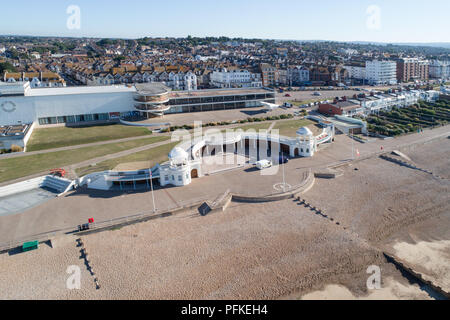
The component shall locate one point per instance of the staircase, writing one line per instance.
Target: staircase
(58, 184)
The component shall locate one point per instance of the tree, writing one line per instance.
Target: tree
(6, 66)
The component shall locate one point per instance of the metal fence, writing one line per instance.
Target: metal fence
(46, 236)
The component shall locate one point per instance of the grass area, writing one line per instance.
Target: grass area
(152, 156)
(289, 128)
(302, 102)
(256, 126)
(15, 168)
(50, 138)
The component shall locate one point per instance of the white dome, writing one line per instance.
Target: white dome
(304, 132)
(178, 155)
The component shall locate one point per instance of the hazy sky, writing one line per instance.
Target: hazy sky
(345, 20)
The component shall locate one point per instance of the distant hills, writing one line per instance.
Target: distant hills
(415, 44)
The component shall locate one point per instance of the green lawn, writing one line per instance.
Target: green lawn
(154, 156)
(50, 138)
(289, 128)
(257, 126)
(15, 168)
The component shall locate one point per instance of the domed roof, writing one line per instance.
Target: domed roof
(304, 131)
(178, 155)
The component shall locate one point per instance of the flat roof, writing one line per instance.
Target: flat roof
(37, 92)
(219, 92)
(153, 88)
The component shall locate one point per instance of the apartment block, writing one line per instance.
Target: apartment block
(412, 69)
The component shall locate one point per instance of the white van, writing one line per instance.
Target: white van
(263, 164)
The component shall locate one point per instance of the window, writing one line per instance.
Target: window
(180, 178)
(166, 178)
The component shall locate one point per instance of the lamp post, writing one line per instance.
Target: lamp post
(153, 196)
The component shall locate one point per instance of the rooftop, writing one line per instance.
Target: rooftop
(14, 131)
(79, 90)
(151, 88)
(218, 92)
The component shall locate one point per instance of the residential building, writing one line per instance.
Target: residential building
(270, 75)
(36, 79)
(298, 75)
(381, 72)
(412, 69)
(235, 79)
(357, 72)
(440, 69)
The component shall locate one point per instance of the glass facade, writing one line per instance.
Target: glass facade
(75, 118)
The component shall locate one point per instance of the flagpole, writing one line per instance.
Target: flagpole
(353, 147)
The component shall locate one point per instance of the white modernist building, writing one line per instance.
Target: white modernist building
(22, 104)
(381, 72)
(235, 79)
(186, 160)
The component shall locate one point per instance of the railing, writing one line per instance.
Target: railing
(46, 236)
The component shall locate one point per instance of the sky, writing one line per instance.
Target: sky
(337, 20)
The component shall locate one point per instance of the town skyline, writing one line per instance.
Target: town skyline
(367, 21)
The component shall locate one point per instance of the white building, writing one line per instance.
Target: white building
(19, 103)
(186, 160)
(22, 104)
(298, 75)
(356, 72)
(381, 72)
(182, 81)
(440, 69)
(385, 102)
(235, 79)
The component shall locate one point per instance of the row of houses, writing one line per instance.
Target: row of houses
(36, 79)
(184, 81)
(364, 105)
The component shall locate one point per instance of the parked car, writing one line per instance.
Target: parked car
(317, 94)
(287, 95)
(263, 164)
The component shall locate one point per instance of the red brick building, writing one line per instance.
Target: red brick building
(411, 69)
(342, 107)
